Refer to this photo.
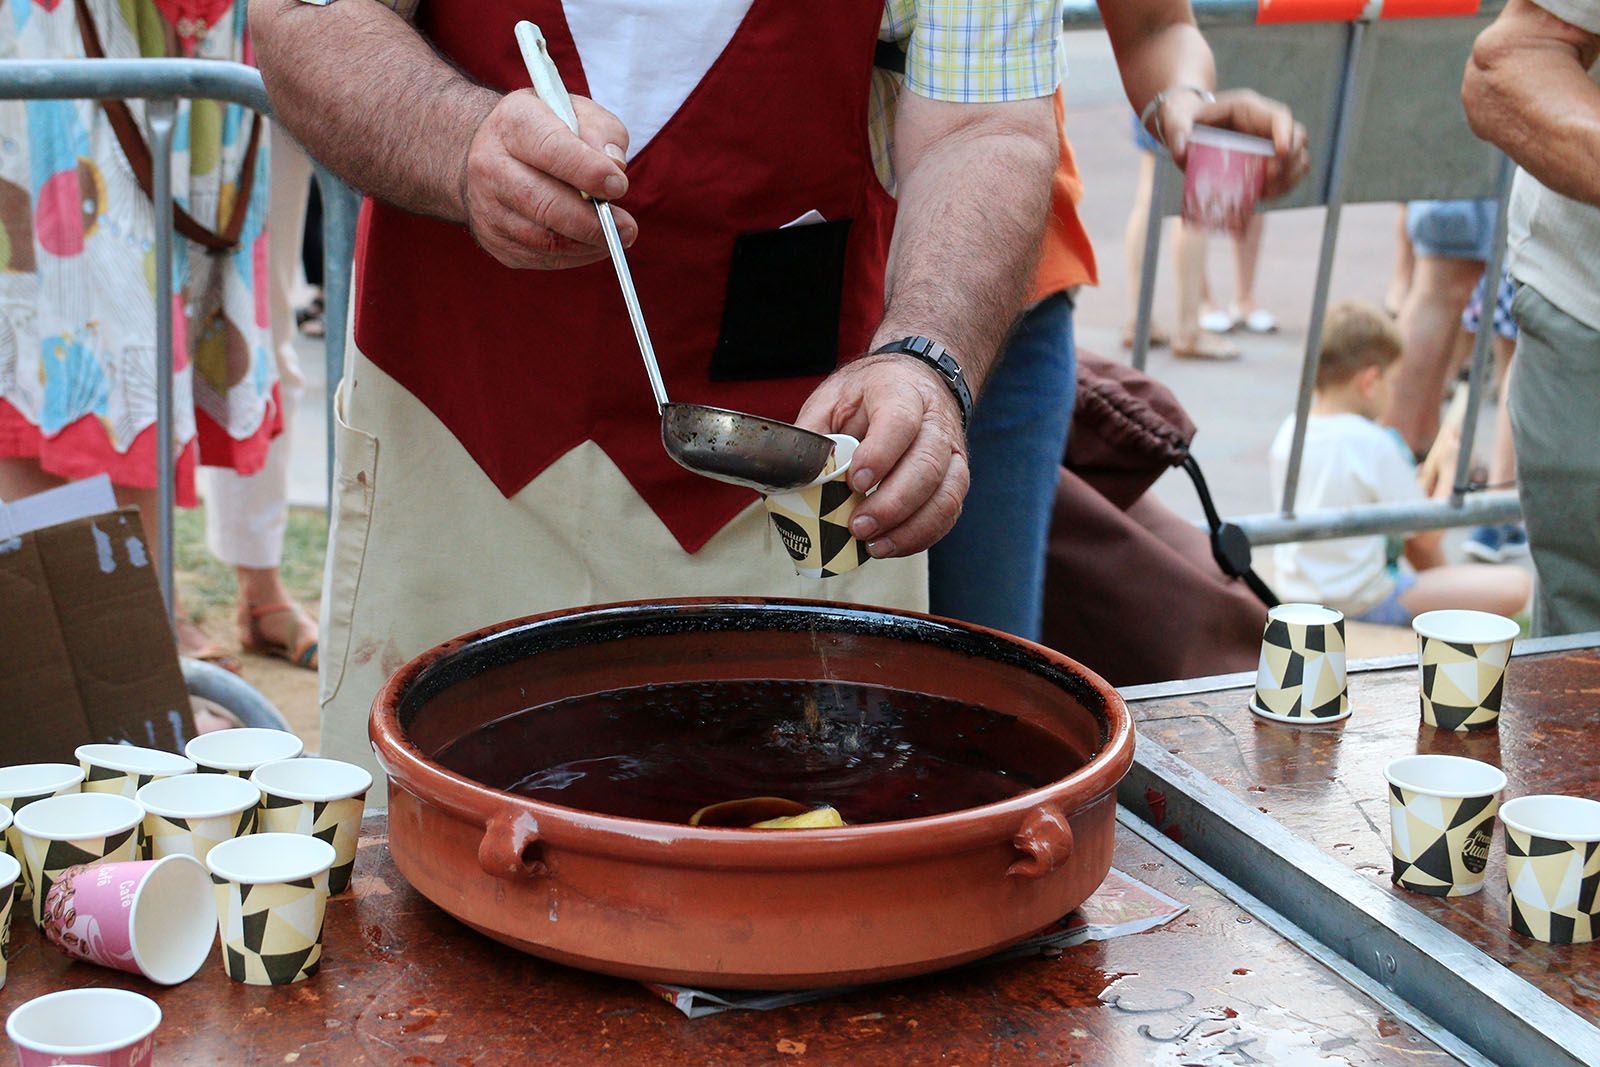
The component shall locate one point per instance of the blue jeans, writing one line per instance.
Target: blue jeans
(990, 569)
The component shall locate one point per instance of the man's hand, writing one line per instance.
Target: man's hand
(524, 176)
(912, 448)
(1244, 111)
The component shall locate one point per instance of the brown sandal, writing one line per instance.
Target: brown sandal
(207, 650)
(301, 653)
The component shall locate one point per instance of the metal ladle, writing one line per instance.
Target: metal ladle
(767, 455)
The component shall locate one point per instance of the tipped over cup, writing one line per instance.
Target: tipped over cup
(72, 831)
(1441, 819)
(1462, 657)
(99, 1027)
(321, 798)
(240, 751)
(813, 522)
(272, 894)
(1553, 867)
(1301, 678)
(154, 918)
(1223, 178)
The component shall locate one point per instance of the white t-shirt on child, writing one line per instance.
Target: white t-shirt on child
(1349, 460)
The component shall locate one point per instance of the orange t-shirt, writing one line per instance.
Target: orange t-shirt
(1065, 258)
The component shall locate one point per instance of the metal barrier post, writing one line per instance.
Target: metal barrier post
(162, 116)
(340, 205)
(1351, 92)
(1147, 267)
(1485, 338)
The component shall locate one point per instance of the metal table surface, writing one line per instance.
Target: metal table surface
(1326, 785)
(402, 983)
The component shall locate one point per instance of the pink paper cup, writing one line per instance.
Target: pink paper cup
(95, 1027)
(154, 918)
(1223, 178)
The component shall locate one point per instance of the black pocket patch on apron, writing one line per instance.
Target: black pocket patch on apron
(781, 317)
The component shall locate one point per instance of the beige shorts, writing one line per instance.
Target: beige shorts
(423, 547)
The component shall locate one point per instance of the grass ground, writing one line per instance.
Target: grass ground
(207, 591)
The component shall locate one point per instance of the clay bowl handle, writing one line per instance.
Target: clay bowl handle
(1045, 840)
(510, 847)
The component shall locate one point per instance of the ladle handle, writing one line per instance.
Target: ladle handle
(549, 87)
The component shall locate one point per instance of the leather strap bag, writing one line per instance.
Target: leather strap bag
(137, 152)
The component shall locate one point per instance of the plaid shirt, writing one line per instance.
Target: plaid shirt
(963, 51)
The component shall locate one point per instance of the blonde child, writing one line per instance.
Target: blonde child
(1350, 461)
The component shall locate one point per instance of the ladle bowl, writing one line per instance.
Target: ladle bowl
(744, 908)
(763, 454)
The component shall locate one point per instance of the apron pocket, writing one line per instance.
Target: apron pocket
(355, 470)
(781, 315)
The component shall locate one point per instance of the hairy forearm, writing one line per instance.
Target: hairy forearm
(1536, 102)
(973, 197)
(370, 99)
(1157, 46)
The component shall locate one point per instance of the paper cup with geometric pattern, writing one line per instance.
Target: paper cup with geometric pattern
(154, 918)
(1441, 819)
(98, 1026)
(813, 522)
(1301, 675)
(1462, 657)
(191, 814)
(71, 831)
(322, 798)
(25, 783)
(10, 890)
(272, 894)
(125, 769)
(1553, 867)
(242, 750)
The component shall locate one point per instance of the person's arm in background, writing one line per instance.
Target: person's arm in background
(1159, 49)
(973, 185)
(1527, 90)
(368, 96)
(974, 148)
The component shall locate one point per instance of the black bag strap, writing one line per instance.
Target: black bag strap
(1230, 547)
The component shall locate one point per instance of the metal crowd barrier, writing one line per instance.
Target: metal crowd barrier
(161, 83)
(1350, 70)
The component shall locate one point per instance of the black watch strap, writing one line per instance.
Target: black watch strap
(939, 358)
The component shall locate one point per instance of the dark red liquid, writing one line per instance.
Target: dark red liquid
(664, 752)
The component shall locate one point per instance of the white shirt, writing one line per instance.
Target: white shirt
(1553, 238)
(1349, 460)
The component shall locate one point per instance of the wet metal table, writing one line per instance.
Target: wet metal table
(403, 983)
(1301, 815)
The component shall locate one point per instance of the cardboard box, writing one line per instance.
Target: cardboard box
(85, 649)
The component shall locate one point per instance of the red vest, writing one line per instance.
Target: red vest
(523, 366)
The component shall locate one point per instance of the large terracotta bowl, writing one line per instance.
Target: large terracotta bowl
(746, 908)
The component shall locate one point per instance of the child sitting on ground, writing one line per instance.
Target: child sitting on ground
(1349, 461)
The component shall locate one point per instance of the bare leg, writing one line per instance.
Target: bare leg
(1246, 256)
(1476, 586)
(1503, 461)
(1133, 250)
(21, 477)
(1189, 252)
(1429, 323)
(1404, 263)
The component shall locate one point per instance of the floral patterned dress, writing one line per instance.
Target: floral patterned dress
(77, 261)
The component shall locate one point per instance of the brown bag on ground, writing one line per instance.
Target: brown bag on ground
(1131, 589)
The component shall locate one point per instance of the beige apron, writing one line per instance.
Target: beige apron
(423, 547)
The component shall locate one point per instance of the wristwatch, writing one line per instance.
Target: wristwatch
(939, 358)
